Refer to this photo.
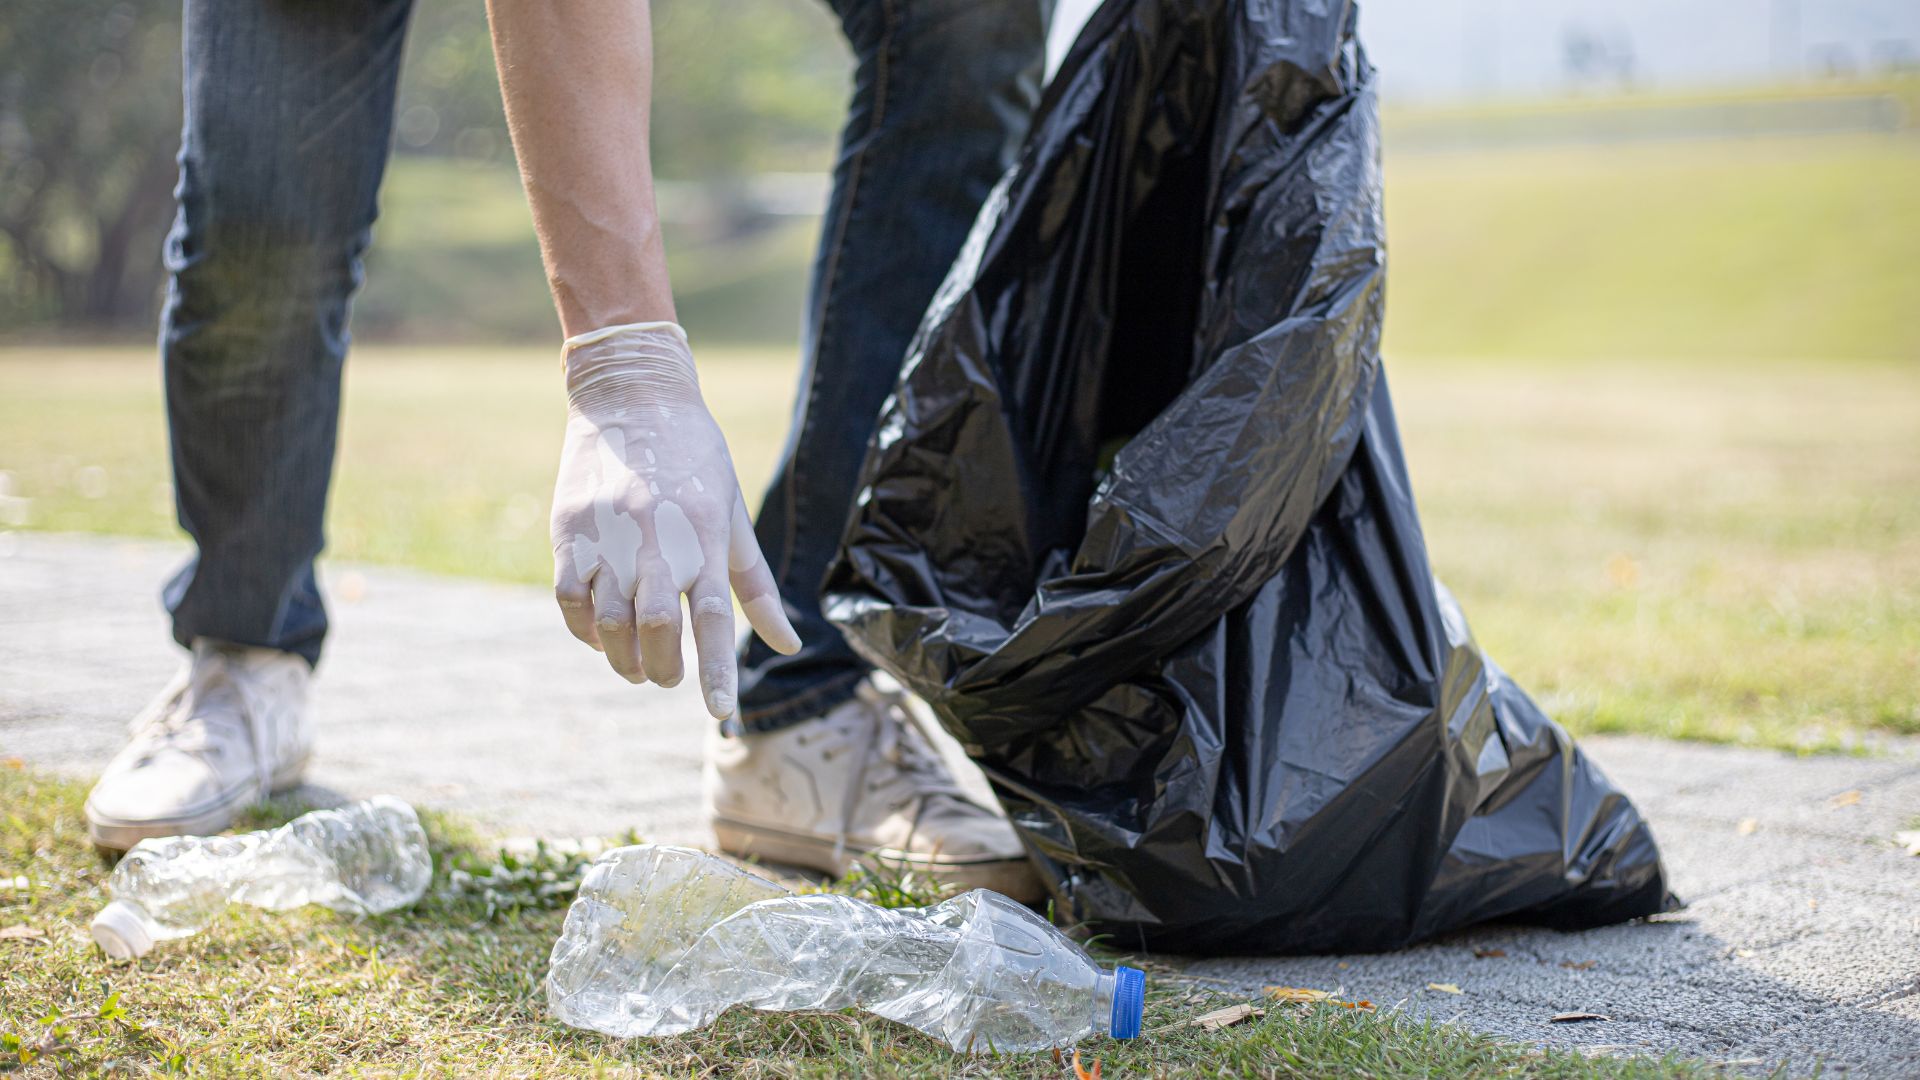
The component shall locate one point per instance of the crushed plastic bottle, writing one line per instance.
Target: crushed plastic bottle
(662, 940)
(365, 858)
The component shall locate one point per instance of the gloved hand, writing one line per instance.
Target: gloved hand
(646, 508)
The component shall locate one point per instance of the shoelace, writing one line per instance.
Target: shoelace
(901, 743)
(177, 718)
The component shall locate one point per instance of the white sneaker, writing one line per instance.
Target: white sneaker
(229, 730)
(866, 783)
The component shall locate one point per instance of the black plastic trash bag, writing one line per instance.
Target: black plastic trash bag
(1213, 681)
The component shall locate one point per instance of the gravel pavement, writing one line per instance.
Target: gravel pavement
(1801, 944)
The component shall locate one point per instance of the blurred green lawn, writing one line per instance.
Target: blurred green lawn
(1661, 401)
(1722, 551)
(1798, 248)
(1801, 248)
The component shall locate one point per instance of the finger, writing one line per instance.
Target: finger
(573, 596)
(613, 621)
(753, 583)
(657, 604)
(713, 640)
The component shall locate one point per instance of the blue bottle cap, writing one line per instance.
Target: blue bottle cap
(1129, 1001)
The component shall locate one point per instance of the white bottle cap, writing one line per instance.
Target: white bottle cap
(121, 929)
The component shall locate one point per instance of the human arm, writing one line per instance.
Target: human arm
(646, 504)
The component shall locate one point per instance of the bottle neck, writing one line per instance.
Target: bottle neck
(1102, 1018)
(124, 930)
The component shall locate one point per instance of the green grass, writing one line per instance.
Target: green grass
(1785, 248)
(1715, 551)
(1727, 553)
(446, 989)
(446, 458)
(1706, 224)
(1517, 242)
(1667, 502)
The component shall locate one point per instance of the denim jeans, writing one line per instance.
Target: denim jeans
(289, 111)
(942, 96)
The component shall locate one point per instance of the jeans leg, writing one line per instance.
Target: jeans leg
(942, 95)
(289, 107)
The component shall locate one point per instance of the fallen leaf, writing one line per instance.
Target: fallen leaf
(1445, 988)
(1343, 965)
(1304, 996)
(1575, 1017)
(1813, 905)
(1909, 840)
(1579, 965)
(13, 762)
(1748, 826)
(1085, 1074)
(1489, 954)
(20, 933)
(1226, 1017)
(1845, 798)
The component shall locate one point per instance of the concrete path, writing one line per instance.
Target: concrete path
(1802, 944)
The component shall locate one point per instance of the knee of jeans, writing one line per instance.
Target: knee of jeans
(255, 257)
(254, 310)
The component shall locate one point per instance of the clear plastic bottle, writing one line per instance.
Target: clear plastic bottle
(662, 940)
(364, 858)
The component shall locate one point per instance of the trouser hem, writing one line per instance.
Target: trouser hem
(815, 701)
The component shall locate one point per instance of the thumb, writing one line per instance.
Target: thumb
(753, 583)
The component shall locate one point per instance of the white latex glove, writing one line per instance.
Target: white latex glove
(646, 508)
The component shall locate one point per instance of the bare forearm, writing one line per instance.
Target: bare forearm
(576, 77)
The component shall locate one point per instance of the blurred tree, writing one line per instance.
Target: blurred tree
(740, 86)
(449, 102)
(90, 120)
(745, 86)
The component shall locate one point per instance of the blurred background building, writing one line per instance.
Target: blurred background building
(1461, 49)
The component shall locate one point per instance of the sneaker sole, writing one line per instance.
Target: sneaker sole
(1014, 878)
(118, 834)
